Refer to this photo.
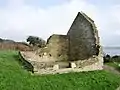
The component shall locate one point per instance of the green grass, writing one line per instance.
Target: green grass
(14, 77)
(112, 64)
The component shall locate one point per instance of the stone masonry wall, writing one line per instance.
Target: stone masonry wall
(50, 67)
(82, 40)
(77, 51)
(56, 48)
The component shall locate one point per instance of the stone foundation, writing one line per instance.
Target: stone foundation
(62, 67)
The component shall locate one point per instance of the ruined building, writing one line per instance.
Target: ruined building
(79, 50)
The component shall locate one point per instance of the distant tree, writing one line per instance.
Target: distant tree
(6, 40)
(36, 41)
(116, 58)
(107, 58)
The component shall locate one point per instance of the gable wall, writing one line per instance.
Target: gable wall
(82, 41)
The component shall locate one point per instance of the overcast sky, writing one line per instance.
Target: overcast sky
(21, 18)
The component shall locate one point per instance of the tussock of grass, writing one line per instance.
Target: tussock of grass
(14, 77)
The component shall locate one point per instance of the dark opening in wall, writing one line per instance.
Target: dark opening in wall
(59, 55)
(50, 55)
(97, 49)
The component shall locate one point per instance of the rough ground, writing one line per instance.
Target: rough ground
(113, 70)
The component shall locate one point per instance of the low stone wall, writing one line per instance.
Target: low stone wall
(40, 67)
(26, 64)
(73, 67)
(93, 67)
(34, 61)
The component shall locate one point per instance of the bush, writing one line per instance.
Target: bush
(36, 41)
(119, 67)
(107, 58)
(116, 58)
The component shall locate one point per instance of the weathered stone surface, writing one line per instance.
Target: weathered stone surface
(79, 50)
(56, 67)
(73, 65)
(83, 38)
(56, 47)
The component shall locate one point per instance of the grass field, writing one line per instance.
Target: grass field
(14, 77)
(112, 64)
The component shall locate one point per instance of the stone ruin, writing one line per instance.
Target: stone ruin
(79, 50)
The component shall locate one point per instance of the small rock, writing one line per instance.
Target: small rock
(73, 65)
(56, 67)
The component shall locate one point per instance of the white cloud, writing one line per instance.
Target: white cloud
(19, 20)
(13, 4)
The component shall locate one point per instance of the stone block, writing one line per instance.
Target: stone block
(73, 65)
(56, 67)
